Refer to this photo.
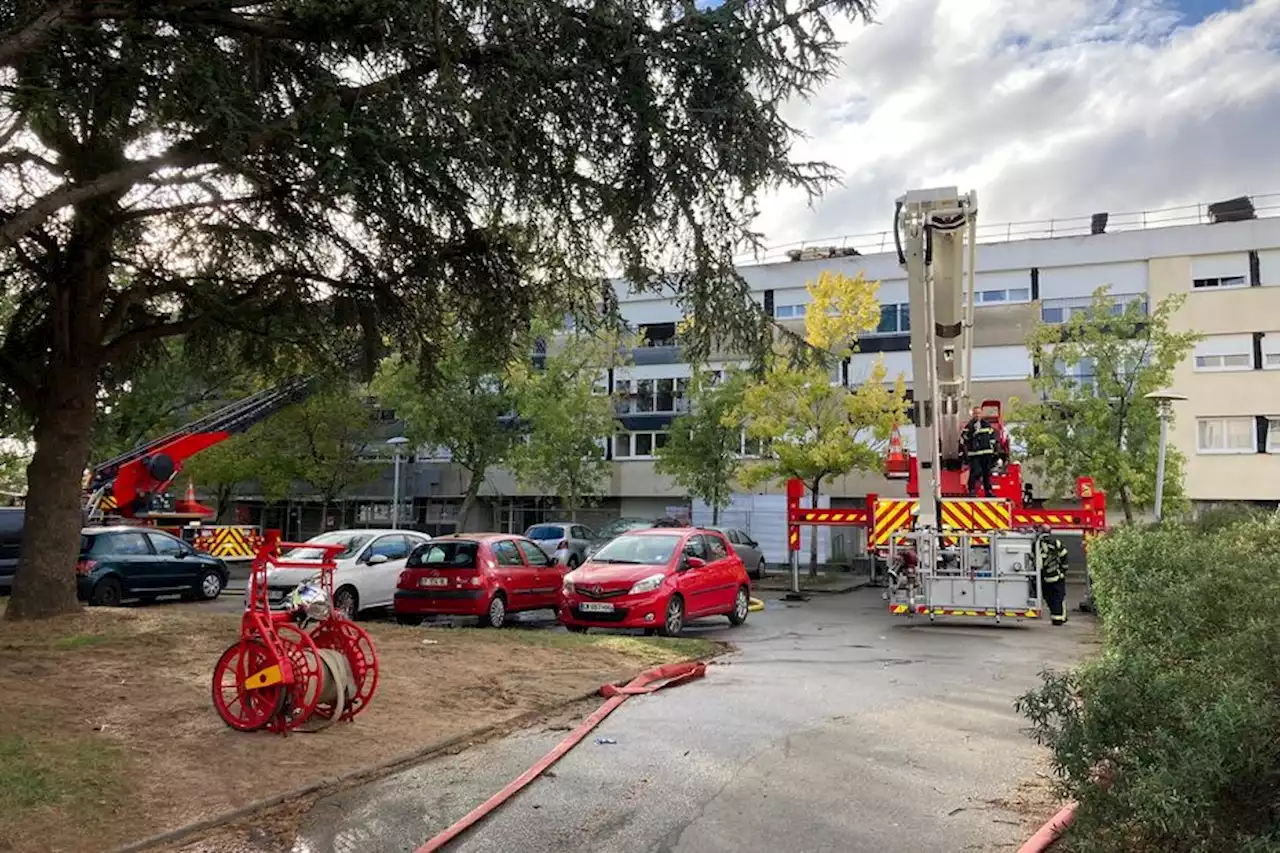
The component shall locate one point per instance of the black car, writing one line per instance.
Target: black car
(11, 522)
(130, 562)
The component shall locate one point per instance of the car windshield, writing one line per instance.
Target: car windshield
(639, 550)
(623, 525)
(545, 531)
(444, 554)
(351, 542)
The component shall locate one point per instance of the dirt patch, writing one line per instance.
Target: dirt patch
(109, 734)
(1036, 799)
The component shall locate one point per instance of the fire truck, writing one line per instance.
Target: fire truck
(949, 554)
(132, 488)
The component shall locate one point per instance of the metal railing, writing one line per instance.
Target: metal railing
(1265, 206)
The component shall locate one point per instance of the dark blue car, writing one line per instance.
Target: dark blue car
(130, 562)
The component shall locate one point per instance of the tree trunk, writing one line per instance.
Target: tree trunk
(715, 515)
(469, 499)
(1126, 503)
(813, 534)
(222, 495)
(45, 584)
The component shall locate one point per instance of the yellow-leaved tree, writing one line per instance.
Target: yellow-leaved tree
(817, 428)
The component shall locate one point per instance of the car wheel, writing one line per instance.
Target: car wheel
(673, 622)
(760, 569)
(346, 603)
(107, 593)
(496, 615)
(210, 586)
(741, 607)
(402, 619)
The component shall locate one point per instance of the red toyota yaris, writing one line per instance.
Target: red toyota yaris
(657, 580)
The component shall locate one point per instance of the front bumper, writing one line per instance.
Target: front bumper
(645, 610)
(449, 602)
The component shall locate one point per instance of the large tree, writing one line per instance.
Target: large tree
(1092, 417)
(462, 408)
(246, 172)
(817, 428)
(703, 453)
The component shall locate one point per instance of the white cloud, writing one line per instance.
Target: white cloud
(1048, 108)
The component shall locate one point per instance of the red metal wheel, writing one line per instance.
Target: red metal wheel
(357, 646)
(303, 694)
(243, 709)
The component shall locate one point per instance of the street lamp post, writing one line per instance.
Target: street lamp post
(397, 442)
(1164, 400)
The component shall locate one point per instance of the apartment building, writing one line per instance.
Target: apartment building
(1228, 427)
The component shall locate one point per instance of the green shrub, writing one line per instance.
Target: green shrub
(1229, 515)
(1182, 705)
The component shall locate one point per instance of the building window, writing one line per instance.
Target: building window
(638, 445)
(1273, 434)
(1002, 296)
(789, 312)
(1226, 435)
(1061, 310)
(1271, 351)
(1221, 282)
(651, 396)
(895, 319)
(1224, 353)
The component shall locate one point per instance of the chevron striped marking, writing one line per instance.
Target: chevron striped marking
(959, 611)
(235, 543)
(828, 516)
(891, 515)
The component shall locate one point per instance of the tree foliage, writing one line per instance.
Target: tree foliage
(703, 450)
(1102, 426)
(818, 429)
(566, 411)
(1179, 712)
(466, 408)
(329, 177)
(248, 460)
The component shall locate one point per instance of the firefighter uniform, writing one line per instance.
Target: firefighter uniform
(1053, 572)
(979, 441)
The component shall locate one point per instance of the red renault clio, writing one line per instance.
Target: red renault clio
(657, 580)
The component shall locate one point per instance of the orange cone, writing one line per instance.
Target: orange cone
(895, 464)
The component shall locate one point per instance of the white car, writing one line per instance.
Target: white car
(368, 567)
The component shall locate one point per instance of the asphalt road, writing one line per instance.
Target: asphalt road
(836, 727)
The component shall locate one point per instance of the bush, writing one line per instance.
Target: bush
(1182, 707)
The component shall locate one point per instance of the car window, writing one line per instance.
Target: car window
(351, 544)
(644, 550)
(622, 525)
(696, 547)
(166, 546)
(580, 532)
(391, 547)
(449, 554)
(129, 544)
(716, 546)
(506, 554)
(542, 532)
(535, 555)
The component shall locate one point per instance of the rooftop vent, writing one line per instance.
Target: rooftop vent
(1232, 210)
(814, 253)
(1098, 225)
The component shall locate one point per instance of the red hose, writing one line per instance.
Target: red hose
(646, 682)
(1051, 831)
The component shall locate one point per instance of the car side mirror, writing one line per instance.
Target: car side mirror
(692, 562)
(377, 559)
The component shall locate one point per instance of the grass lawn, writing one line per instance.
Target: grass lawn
(108, 733)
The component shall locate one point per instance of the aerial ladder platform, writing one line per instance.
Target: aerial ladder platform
(971, 556)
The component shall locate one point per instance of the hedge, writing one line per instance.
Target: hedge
(1181, 709)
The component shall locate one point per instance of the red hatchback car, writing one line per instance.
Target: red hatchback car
(657, 580)
(476, 574)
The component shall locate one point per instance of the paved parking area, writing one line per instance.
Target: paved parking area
(835, 727)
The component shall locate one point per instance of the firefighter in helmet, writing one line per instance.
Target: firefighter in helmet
(1053, 573)
(979, 447)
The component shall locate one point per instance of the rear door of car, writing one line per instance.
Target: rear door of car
(129, 553)
(723, 574)
(516, 576)
(696, 585)
(547, 576)
(378, 581)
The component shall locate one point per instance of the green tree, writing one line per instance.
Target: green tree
(249, 458)
(259, 174)
(703, 450)
(14, 460)
(817, 429)
(1102, 425)
(322, 443)
(463, 408)
(566, 412)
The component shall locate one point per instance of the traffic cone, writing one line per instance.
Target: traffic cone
(895, 464)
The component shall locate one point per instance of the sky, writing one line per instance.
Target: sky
(1048, 108)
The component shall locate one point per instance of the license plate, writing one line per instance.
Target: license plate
(433, 582)
(595, 607)
(276, 595)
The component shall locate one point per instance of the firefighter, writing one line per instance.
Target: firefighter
(1053, 573)
(978, 445)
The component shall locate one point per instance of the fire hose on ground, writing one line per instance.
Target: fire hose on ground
(648, 681)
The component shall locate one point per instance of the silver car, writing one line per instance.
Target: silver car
(565, 541)
(747, 549)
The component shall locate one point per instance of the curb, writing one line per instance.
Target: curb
(370, 772)
(785, 586)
